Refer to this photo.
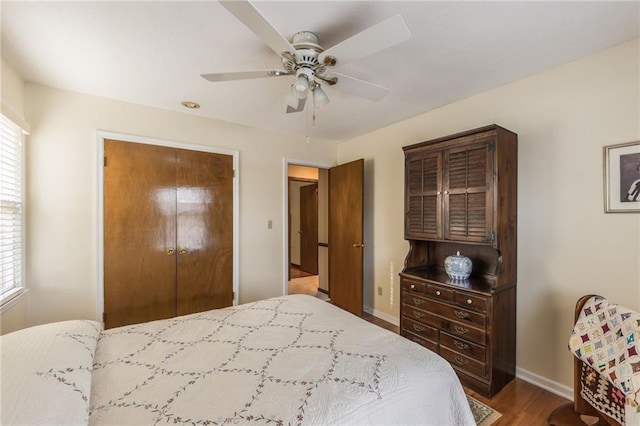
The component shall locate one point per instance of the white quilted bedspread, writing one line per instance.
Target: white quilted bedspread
(46, 373)
(287, 360)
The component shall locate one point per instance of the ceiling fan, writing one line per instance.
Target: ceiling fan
(309, 62)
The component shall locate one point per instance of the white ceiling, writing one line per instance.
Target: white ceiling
(153, 52)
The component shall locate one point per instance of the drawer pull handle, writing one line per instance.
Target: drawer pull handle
(469, 301)
(413, 287)
(438, 293)
(418, 301)
(460, 345)
(460, 330)
(460, 314)
(461, 360)
(418, 328)
(418, 314)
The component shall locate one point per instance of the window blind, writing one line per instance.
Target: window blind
(11, 208)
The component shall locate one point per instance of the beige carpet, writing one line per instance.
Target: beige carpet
(483, 414)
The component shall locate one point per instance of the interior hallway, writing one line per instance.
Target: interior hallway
(301, 282)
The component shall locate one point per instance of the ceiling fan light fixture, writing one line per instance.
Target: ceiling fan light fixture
(320, 98)
(302, 86)
(292, 97)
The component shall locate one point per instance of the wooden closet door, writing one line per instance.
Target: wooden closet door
(204, 231)
(139, 233)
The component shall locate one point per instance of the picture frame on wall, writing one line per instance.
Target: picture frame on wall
(622, 178)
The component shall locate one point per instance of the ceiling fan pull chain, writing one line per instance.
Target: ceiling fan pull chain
(307, 125)
(313, 111)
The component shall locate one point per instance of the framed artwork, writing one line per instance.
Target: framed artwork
(622, 178)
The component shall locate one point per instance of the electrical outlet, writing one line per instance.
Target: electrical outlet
(379, 290)
(269, 224)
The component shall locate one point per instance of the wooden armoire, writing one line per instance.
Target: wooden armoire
(461, 195)
(168, 232)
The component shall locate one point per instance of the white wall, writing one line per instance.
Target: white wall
(62, 193)
(567, 246)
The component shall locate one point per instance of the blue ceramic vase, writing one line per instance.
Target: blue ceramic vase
(458, 267)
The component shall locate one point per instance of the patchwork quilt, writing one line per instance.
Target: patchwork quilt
(605, 337)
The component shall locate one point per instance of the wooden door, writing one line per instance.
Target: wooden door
(346, 245)
(204, 231)
(139, 233)
(309, 228)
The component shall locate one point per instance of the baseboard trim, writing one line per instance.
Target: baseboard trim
(386, 317)
(544, 383)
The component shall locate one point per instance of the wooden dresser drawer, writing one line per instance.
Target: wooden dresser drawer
(440, 293)
(413, 299)
(463, 362)
(429, 344)
(413, 286)
(464, 347)
(456, 313)
(419, 328)
(414, 314)
(471, 301)
(462, 330)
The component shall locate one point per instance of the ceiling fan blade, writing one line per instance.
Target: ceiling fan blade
(243, 75)
(358, 87)
(384, 34)
(253, 19)
(299, 108)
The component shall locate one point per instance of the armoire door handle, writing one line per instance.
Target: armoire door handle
(182, 250)
(170, 251)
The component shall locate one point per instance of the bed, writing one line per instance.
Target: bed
(286, 360)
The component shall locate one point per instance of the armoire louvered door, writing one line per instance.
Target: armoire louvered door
(168, 232)
(424, 183)
(468, 192)
(450, 193)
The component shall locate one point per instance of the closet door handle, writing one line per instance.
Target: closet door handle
(182, 250)
(170, 251)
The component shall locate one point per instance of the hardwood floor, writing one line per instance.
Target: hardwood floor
(296, 272)
(520, 403)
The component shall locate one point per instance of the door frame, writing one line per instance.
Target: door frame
(285, 211)
(101, 136)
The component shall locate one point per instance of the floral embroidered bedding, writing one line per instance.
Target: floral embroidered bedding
(286, 360)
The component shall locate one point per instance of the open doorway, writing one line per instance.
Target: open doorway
(307, 233)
